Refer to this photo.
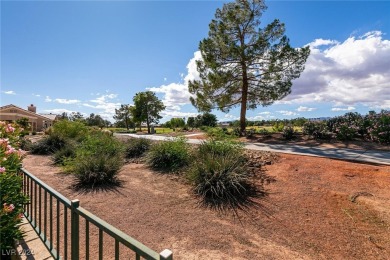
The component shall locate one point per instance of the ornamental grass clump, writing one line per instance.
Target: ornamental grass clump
(169, 156)
(11, 197)
(48, 145)
(221, 176)
(61, 156)
(97, 160)
(136, 147)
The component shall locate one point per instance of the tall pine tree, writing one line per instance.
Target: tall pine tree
(243, 64)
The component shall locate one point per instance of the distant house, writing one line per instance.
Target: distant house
(224, 123)
(11, 113)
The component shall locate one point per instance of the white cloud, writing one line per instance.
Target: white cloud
(9, 92)
(305, 109)
(58, 111)
(105, 105)
(287, 113)
(66, 101)
(176, 94)
(256, 118)
(231, 117)
(322, 42)
(48, 99)
(343, 108)
(36, 95)
(165, 79)
(355, 71)
(265, 113)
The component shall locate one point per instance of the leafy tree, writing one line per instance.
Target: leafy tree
(95, 120)
(147, 108)
(209, 119)
(124, 115)
(177, 122)
(242, 64)
(191, 122)
(64, 116)
(76, 116)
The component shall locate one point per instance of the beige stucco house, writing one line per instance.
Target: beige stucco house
(10, 113)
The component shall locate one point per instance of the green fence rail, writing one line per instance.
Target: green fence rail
(58, 222)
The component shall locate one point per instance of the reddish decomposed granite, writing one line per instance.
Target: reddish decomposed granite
(317, 208)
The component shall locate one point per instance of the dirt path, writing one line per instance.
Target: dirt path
(317, 208)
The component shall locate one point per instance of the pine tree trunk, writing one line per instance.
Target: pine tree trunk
(244, 98)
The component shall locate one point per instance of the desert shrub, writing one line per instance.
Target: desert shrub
(11, 196)
(278, 127)
(97, 160)
(288, 132)
(263, 131)
(218, 133)
(348, 126)
(317, 129)
(169, 156)
(67, 152)
(250, 133)
(223, 148)
(136, 147)
(379, 127)
(70, 129)
(221, 176)
(236, 132)
(48, 144)
(25, 144)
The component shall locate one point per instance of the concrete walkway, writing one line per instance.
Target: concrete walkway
(368, 156)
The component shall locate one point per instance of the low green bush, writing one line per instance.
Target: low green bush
(263, 131)
(221, 176)
(136, 147)
(379, 127)
(97, 160)
(169, 156)
(317, 129)
(25, 144)
(67, 152)
(278, 127)
(70, 129)
(288, 132)
(218, 133)
(48, 145)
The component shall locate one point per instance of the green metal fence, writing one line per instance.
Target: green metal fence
(65, 227)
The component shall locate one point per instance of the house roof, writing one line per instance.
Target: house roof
(25, 111)
(50, 116)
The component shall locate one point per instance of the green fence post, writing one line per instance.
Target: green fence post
(166, 255)
(74, 227)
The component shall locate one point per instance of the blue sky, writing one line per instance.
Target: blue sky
(92, 56)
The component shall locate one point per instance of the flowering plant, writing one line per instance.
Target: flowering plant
(11, 196)
(379, 127)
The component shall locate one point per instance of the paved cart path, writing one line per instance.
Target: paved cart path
(369, 156)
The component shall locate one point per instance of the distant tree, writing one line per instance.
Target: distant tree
(124, 115)
(64, 116)
(209, 119)
(76, 116)
(177, 122)
(95, 120)
(191, 122)
(242, 64)
(147, 108)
